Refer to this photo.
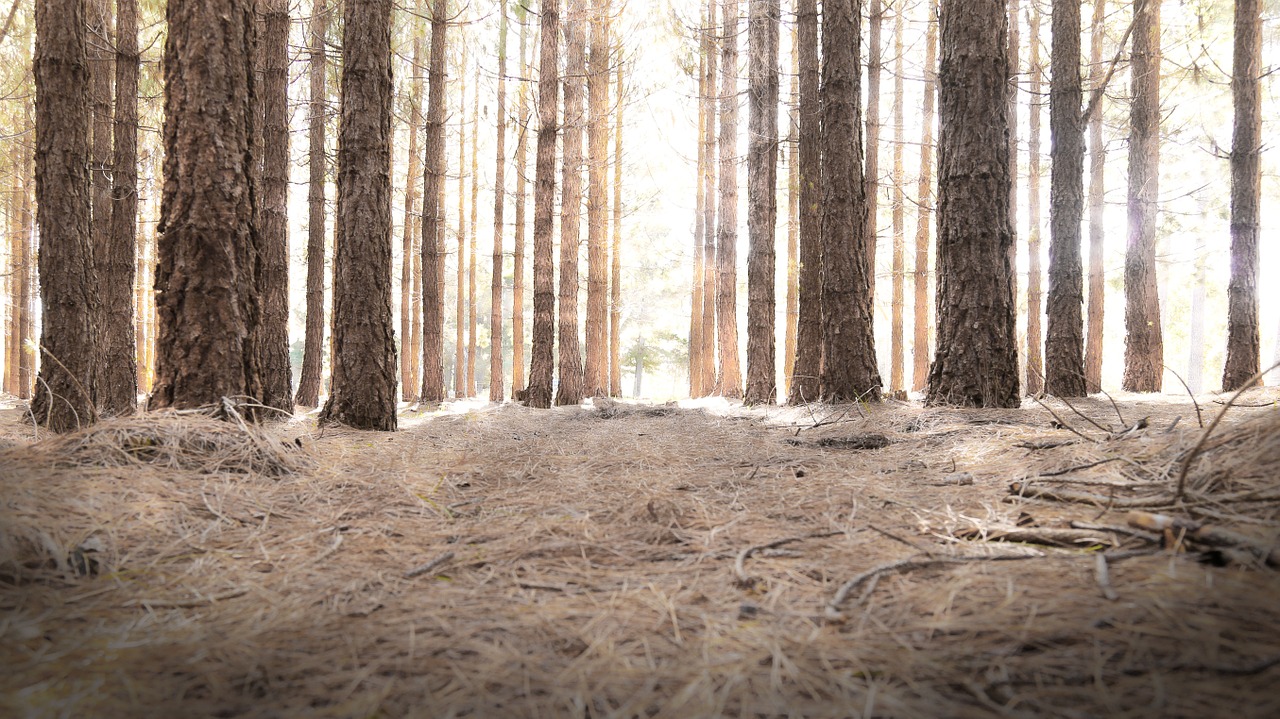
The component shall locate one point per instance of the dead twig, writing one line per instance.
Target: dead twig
(429, 566)
(1199, 418)
(1102, 575)
(1021, 489)
(739, 564)
(186, 603)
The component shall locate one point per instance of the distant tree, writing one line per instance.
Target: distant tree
(544, 297)
(1243, 344)
(1096, 201)
(596, 356)
(764, 17)
(273, 278)
(570, 389)
(793, 223)
(730, 380)
(977, 361)
(364, 360)
(615, 268)
(496, 389)
(460, 388)
(473, 308)
(898, 305)
(924, 205)
(309, 384)
(411, 259)
(875, 68)
(521, 193)
(1035, 273)
(433, 214)
(706, 355)
(700, 265)
(806, 377)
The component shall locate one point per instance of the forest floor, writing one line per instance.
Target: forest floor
(623, 560)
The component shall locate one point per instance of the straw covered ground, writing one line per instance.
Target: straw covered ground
(625, 560)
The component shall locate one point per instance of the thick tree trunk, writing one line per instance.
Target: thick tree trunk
(570, 390)
(897, 371)
(1244, 349)
(1035, 299)
(793, 224)
(707, 355)
(364, 361)
(596, 367)
(730, 382)
(206, 279)
(1096, 200)
(433, 215)
(924, 205)
(615, 277)
(544, 296)
(977, 359)
(849, 370)
(1064, 341)
(101, 74)
(762, 199)
(411, 261)
(273, 287)
(875, 68)
(496, 389)
(518, 271)
(806, 378)
(1144, 341)
(309, 385)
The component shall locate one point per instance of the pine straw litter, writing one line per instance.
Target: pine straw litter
(624, 560)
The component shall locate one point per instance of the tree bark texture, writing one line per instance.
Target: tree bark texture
(1244, 351)
(806, 378)
(363, 395)
(28, 285)
(206, 277)
(1144, 340)
(544, 295)
(313, 343)
(707, 356)
(849, 370)
(924, 205)
(496, 389)
(730, 383)
(793, 224)
(433, 175)
(1035, 296)
(764, 17)
(101, 74)
(273, 332)
(570, 390)
(1097, 206)
(411, 260)
(875, 69)
(1064, 340)
(897, 371)
(596, 367)
(977, 360)
(518, 261)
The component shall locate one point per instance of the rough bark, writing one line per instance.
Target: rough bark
(570, 390)
(615, 270)
(1064, 340)
(977, 361)
(27, 286)
(849, 370)
(411, 261)
(433, 214)
(206, 276)
(1035, 297)
(518, 264)
(764, 17)
(12, 272)
(313, 343)
(1015, 69)
(730, 380)
(544, 297)
(1244, 349)
(364, 361)
(806, 378)
(924, 205)
(875, 68)
(898, 305)
(101, 74)
(707, 355)
(596, 365)
(1096, 200)
(273, 287)
(1144, 340)
(793, 224)
(496, 389)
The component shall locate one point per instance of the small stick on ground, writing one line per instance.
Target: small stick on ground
(186, 603)
(739, 564)
(1103, 576)
(429, 566)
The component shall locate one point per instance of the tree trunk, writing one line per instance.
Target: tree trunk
(977, 359)
(793, 223)
(518, 272)
(472, 302)
(875, 68)
(273, 288)
(924, 204)
(1015, 70)
(101, 74)
(118, 380)
(1243, 340)
(762, 199)
(364, 360)
(496, 389)
(460, 389)
(1097, 200)
(1064, 341)
(849, 370)
(544, 297)
(596, 367)
(896, 369)
(313, 345)
(207, 301)
(696, 388)
(28, 284)
(707, 354)
(433, 174)
(411, 262)
(1144, 341)
(727, 233)
(12, 270)
(571, 376)
(806, 378)
(1035, 309)
(615, 279)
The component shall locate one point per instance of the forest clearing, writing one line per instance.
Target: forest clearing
(690, 560)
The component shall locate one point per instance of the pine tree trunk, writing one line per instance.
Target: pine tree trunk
(277, 380)
(544, 297)
(518, 271)
(615, 278)
(806, 377)
(1035, 307)
(101, 74)
(793, 224)
(207, 301)
(11, 269)
(924, 205)
(1144, 341)
(571, 379)
(28, 285)
(849, 370)
(1096, 200)
(433, 175)
(411, 261)
(1015, 71)
(460, 389)
(1243, 339)
(897, 371)
(875, 68)
(596, 367)
(710, 279)
(764, 17)
(730, 383)
(1064, 341)
(496, 389)
(977, 360)
(472, 255)
(699, 229)
(309, 385)
(364, 361)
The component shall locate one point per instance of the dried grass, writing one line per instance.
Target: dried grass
(628, 560)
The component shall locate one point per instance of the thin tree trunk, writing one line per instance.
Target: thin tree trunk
(544, 296)
(727, 233)
(764, 17)
(1097, 197)
(518, 271)
(596, 367)
(615, 279)
(12, 270)
(1035, 311)
(710, 279)
(699, 231)
(273, 288)
(875, 68)
(924, 205)
(806, 377)
(472, 302)
(1244, 348)
(793, 223)
(977, 359)
(433, 214)
(309, 385)
(460, 389)
(29, 284)
(496, 389)
(410, 259)
(1144, 341)
(897, 370)
(571, 389)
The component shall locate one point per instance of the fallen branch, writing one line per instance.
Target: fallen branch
(1021, 489)
(185, 603)
(429, 566)
(1037, 535)
(739, 565)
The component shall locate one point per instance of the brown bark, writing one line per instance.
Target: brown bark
(793, 224)
(101, 74)
(364, 361)
(764, 17)
(29, 285)
(496, 389)
(596, 357)
(1035, 309)
(207, 299)
(1096, 200)
(1243, 343)
(730, 380)
(1144, 341)
(707, 355)
(977, 361)
(11, 270)
(806, 377)
(615, 278)
(1015, 69)
(518, 271)
(924, 205)
(849, 370)
(544, 297)
(699, 229)
(309, 384)
(570, 390)
(875, 68)
(898, 304)
(273, 280)
(1064, 341)
(472, 302)
(411, 260)
(433, 215)
(460, 388)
